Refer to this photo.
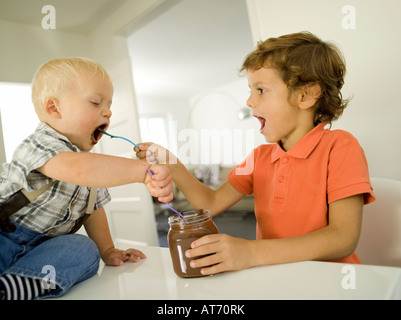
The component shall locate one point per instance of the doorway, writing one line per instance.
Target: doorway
(189, 48)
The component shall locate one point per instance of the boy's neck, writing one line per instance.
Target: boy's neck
(298, 134)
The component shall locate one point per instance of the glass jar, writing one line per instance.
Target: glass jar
(182, 234)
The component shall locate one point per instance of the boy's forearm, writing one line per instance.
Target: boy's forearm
(94, 170)
(321, 245)
(197, 193)
(200, 195)
(337, 240)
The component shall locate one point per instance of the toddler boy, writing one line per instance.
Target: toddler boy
(72, 98)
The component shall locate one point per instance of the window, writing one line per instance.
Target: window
(154, 129)
(18, 117)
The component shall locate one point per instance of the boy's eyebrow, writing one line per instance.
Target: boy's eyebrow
(259, 83)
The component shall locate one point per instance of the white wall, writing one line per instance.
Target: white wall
(24, 48)
(372, 52)
(222, 137)
(174, 108)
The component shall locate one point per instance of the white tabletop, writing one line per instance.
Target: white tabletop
(153, 278)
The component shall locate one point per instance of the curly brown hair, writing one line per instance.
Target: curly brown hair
(302, 59)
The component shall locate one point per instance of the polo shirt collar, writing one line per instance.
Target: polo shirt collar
(303, 148)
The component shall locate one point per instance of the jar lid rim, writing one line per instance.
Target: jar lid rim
(190, 216)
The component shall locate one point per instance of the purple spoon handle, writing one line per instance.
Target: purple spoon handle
(169, 205)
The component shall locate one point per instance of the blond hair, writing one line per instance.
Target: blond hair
(58, 76)
(302, 59)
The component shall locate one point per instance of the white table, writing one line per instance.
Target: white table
(153, 278)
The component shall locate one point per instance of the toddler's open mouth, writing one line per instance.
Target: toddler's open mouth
(97, 134)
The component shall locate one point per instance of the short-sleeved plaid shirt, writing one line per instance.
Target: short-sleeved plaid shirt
(57, 210)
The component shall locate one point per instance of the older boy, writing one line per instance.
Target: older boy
(309, 184)
(72, 98)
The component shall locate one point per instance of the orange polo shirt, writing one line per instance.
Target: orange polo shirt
(293, 189)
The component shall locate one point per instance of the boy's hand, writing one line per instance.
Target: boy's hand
(225, 253)
(116, 257)
(155, 153)
(160, 185)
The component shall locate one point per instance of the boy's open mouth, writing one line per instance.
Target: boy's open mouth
(262, 123)
(97, 134)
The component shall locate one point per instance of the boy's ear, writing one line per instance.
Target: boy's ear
(51, 108)
(310, 95)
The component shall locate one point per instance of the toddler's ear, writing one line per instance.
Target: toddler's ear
(51, 108)
(310, 95)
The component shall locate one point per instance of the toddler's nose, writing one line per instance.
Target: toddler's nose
(107, 112)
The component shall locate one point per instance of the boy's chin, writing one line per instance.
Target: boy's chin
(269, 139)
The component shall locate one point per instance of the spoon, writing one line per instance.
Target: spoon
(150, 172)
(169, 205)
(112, 136)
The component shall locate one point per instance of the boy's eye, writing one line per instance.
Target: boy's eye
(261, 90)
(95, 103)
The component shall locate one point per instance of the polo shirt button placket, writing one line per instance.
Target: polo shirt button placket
(280, 187)
(283, 161)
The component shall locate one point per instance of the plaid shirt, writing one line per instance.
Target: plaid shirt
(56, 211)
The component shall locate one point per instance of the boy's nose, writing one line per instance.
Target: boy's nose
(249, 103)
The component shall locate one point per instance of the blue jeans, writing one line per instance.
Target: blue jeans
(60, 262)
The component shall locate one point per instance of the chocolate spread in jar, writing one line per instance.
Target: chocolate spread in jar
(182, 234)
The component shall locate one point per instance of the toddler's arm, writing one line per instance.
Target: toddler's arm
(102, 171)
(97, 229)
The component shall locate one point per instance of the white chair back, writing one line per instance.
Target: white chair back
(380, 240)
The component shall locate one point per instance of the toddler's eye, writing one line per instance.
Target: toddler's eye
(95, 103)
(261, 90)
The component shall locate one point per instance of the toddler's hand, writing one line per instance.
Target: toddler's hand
(160, 185)
(116, 257)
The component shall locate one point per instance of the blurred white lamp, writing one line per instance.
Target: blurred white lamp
(244, 113)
